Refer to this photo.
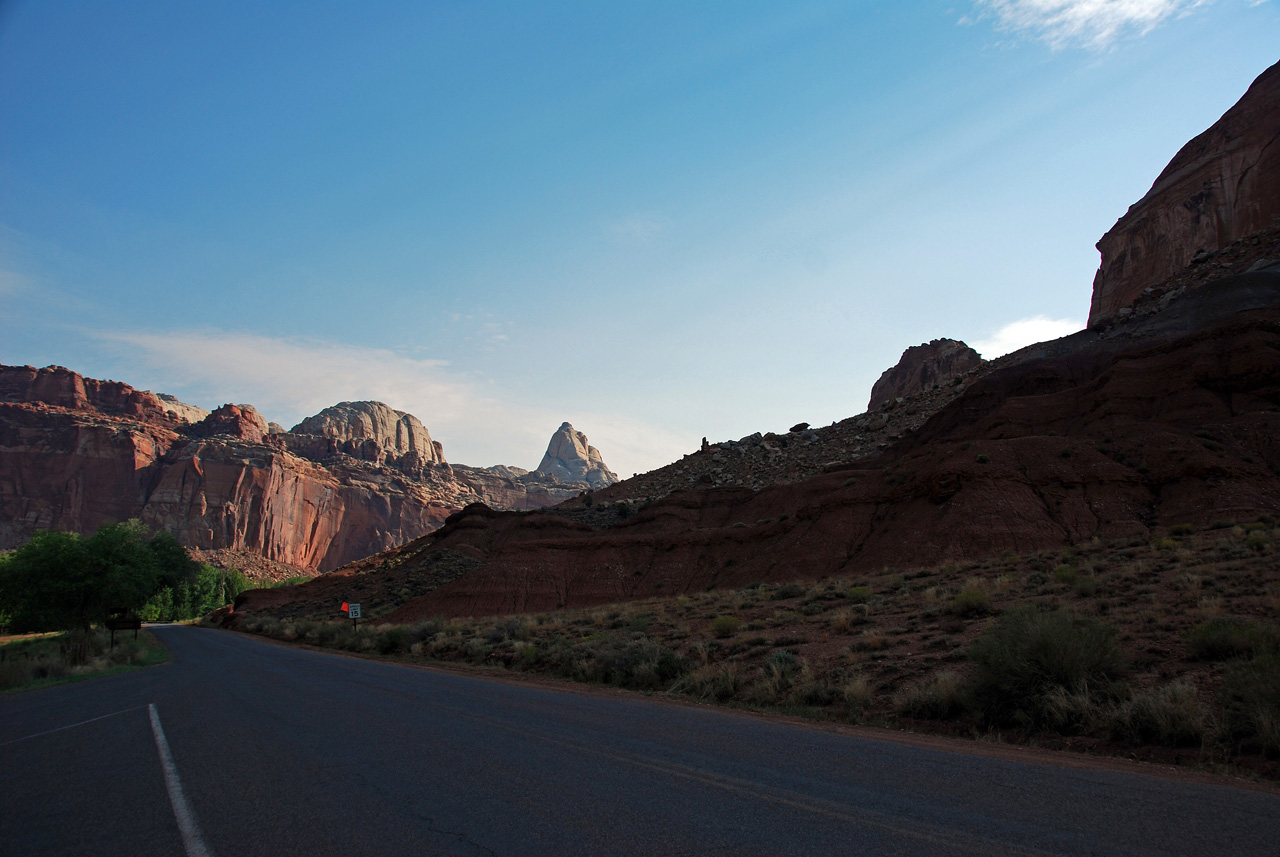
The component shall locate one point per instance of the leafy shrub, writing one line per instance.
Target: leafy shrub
(1251, 699)
(1170, 715)
(1028, 653)
(1181, 530)
(1065, 574)
(1224, 637)
(725, 626)
(937, 698)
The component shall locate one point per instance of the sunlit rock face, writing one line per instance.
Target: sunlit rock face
(394, 431)
(569, 458)
(1221, 187)
(76, 453)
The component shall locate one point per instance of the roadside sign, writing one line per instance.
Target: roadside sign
(353, 610)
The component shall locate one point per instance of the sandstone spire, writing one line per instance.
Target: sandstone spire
(570, 458)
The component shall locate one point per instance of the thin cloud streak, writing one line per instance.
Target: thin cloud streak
(1024, 332)
(1092, 23)
(290, 379)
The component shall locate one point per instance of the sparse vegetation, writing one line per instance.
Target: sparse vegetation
(45, 659)
(1171, 653)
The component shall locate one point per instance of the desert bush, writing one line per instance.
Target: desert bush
(1251, 699)
(845, 620)
(1181, 530)
(1224, 637)
(857, 694)
(725, 626)
(972, 601)
(635, 662)
(1065, 574)
(1029, 653)
(393, 641)
(815, 691)
(425, 630)
(714, 682)
(1170, 715)
(938, 697)
(788, 590)
(858, 594)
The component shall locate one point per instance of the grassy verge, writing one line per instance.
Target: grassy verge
(27, 663)
(1166, 650)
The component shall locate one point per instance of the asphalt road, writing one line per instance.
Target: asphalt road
(278, 751)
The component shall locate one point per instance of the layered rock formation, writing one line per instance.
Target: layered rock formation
(391, 430)
(76, 453)
(1116, 437)
(923, 367)
(181, 410)
(1221, 187)
(569, 458)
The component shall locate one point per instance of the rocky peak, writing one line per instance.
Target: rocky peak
(242, 421)
(394, 431)
(1221, 187)
(923, 367)
(569, 458)
(180, 409)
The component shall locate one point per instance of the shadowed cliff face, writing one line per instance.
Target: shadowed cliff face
(76, 453)
(923, 367)
(1221, 187)
(1110, 440)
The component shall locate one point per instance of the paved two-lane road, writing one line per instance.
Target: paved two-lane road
(279, 751)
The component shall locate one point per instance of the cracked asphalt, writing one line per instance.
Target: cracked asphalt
(284, 751)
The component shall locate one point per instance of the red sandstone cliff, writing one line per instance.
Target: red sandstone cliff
(76, 453)
(1222, 186)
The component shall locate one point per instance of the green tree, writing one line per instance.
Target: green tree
(62, 581)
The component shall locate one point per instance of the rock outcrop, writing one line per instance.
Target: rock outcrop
(391, 430)
(924, 367)
(181, 410)
(1221, 187)
(569, 458)
(76, 453)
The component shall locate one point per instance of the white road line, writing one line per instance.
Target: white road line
(72, 726)
(192, 839)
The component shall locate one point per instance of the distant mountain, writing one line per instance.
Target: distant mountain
(355, 479)
(569, 458)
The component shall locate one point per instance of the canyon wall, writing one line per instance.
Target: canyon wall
(1221, 187)
(354, 480)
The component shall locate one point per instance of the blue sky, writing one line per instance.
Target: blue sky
(658, 221)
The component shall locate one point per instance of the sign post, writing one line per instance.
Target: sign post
(353, 610)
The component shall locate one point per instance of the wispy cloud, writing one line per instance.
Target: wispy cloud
(290, 379)
(1024, 332)
(637, 228)
(1092, 23)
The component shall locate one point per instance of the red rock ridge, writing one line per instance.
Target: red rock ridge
(923, 367)
(1222, 186)
(1111, 440)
